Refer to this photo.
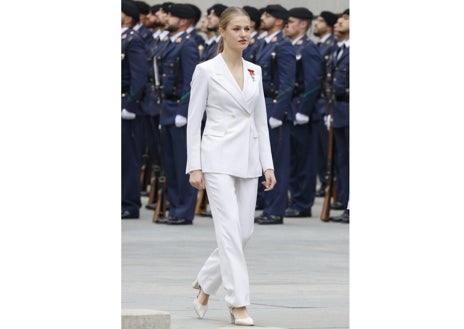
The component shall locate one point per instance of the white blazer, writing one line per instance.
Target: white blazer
(236, 137)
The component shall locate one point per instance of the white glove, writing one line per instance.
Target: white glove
(180, 121)
(327, 120)
(274, 123)
(126, 115)
(300, 119)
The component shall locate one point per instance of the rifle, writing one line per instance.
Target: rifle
(330, 187)
(144, 174)
(154, 185)
(201, 206)
(160, 210)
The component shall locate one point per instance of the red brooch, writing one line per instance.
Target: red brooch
(252, 73)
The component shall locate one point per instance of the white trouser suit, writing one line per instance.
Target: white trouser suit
(232, 201)
(232, 153)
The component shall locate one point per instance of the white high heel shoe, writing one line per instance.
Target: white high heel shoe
(199, 308)
(241, 322)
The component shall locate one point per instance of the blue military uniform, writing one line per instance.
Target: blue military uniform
(177, 63)
(276, 56)
(152, 101)
(191, 30)
(339, 77)
(144, 32)
(210, 49)
(303, 135)
(133, 78)
(198, 38)
(249, 53)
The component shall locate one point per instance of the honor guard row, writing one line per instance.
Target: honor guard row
(306, 89)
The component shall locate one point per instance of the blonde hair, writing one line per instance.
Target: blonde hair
(225, 19)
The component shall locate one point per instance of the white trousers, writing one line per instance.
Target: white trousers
(232, 201)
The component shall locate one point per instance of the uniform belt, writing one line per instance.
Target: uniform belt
(343, 98)
(172, 97)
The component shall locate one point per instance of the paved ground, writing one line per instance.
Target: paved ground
(298, 272)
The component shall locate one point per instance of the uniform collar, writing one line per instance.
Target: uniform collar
(174, 37)
(325, 37)
(163, 34)
(262, 35)
(156, 34)
(124, 29)
(297, 39)
(270, 37)
(345, 42)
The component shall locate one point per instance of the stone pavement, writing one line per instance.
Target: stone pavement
(299, 272)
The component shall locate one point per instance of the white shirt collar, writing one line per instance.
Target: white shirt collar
(269, 37)
(156, 34)
(345, 42)
(137, 27)
(163, 34)
(210, 41)
(262, 35)
(190, 29)
(124, 29)
(174, 37)
(297, 39)
(325, 37)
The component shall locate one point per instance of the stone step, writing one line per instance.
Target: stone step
(145, 319)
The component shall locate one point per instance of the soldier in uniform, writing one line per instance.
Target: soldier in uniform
(141, 28)
(323, 29)
(276, 56)
(340, 73)
(193, 23)
(249, 53)
(133, 78)
(306, 120)
(152, 98)
(177, 63)
(212, 25)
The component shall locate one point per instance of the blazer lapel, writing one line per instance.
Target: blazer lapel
(250, 85)
(225, 78)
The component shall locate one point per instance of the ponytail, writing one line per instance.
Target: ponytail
(220, 47)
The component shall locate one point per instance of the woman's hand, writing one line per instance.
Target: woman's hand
(197, 180)
(270, 181)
